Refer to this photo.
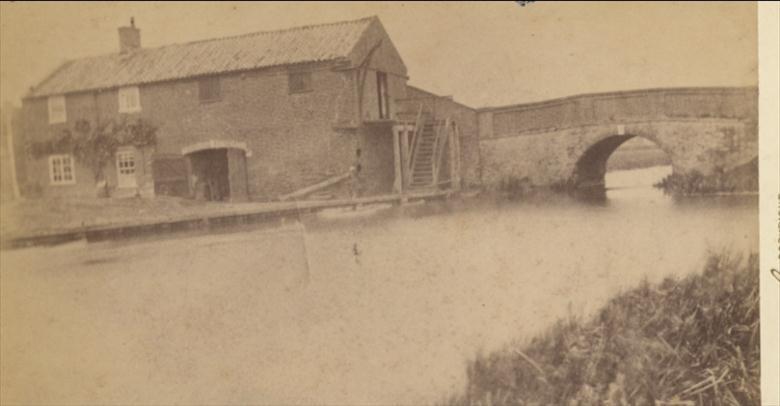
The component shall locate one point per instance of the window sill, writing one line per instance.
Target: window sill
(210, 101)
(129, 111)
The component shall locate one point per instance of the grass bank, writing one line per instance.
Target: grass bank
(691, 341)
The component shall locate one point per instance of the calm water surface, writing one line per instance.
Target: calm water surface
(382, 309)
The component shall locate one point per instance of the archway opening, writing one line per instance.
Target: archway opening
(620, 162)
(218, 174)
(637, 163)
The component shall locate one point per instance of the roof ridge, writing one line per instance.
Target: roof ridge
(145, 65)
(254, 33)
(227, 37)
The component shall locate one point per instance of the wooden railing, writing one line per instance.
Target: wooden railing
(419, 122)
(455, 164)
(440, 141)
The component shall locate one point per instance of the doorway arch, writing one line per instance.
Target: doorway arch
(217, 170)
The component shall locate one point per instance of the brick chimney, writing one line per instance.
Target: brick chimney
(129, 37)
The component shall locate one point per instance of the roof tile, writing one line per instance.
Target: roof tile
(313, 43)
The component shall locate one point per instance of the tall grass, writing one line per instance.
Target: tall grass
(692, 341)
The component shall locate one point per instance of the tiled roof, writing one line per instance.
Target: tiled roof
(313, 43)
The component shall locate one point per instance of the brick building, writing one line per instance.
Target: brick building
(255, 116)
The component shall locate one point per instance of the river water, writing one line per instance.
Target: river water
(338, 309)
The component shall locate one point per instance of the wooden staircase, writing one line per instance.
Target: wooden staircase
(423, 157)
(431, 148)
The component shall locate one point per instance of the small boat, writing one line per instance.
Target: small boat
(353, 211)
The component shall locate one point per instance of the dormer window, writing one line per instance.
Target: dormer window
(129, 100)
(57, 112)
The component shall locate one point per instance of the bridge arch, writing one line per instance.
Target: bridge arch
(591, 167)
(568, 141)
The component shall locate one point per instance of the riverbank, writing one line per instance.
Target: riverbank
(679, 342)
(47, 221)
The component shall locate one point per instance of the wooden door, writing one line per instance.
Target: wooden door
(126, 168)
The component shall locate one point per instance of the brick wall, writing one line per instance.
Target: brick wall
(291, 137)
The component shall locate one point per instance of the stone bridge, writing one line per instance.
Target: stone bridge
(569, 140)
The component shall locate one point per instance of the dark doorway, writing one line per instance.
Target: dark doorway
(382, 95)
(210, 175)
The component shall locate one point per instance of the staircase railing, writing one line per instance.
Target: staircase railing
(455, 163)
(442, 134)
(419, 123)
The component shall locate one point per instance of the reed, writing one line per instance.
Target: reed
(690, 341)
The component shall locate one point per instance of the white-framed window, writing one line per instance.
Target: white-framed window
(61, 170)
(125, 167)
(129, 99)
(57, 112)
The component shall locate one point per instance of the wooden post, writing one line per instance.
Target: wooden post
(454, 159)
(456, 152)
(8, 122)
(405, 157)
(191, 187)
(398, 133)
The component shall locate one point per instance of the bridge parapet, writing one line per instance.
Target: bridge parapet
(619, 107)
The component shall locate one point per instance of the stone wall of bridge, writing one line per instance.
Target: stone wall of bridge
(570, 139)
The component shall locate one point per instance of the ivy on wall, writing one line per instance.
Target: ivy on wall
(94, 146)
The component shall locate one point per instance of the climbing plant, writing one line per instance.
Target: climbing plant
(94, 146)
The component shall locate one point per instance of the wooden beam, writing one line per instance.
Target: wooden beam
(405, 159)
(8, 122)
(362, 72)
(398, 133)
(318, 186)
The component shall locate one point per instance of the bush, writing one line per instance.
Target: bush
(743, 178)
(685, 342)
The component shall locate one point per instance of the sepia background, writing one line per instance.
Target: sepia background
(554, 50)
(520, 54)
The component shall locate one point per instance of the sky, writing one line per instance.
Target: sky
(483, 54)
